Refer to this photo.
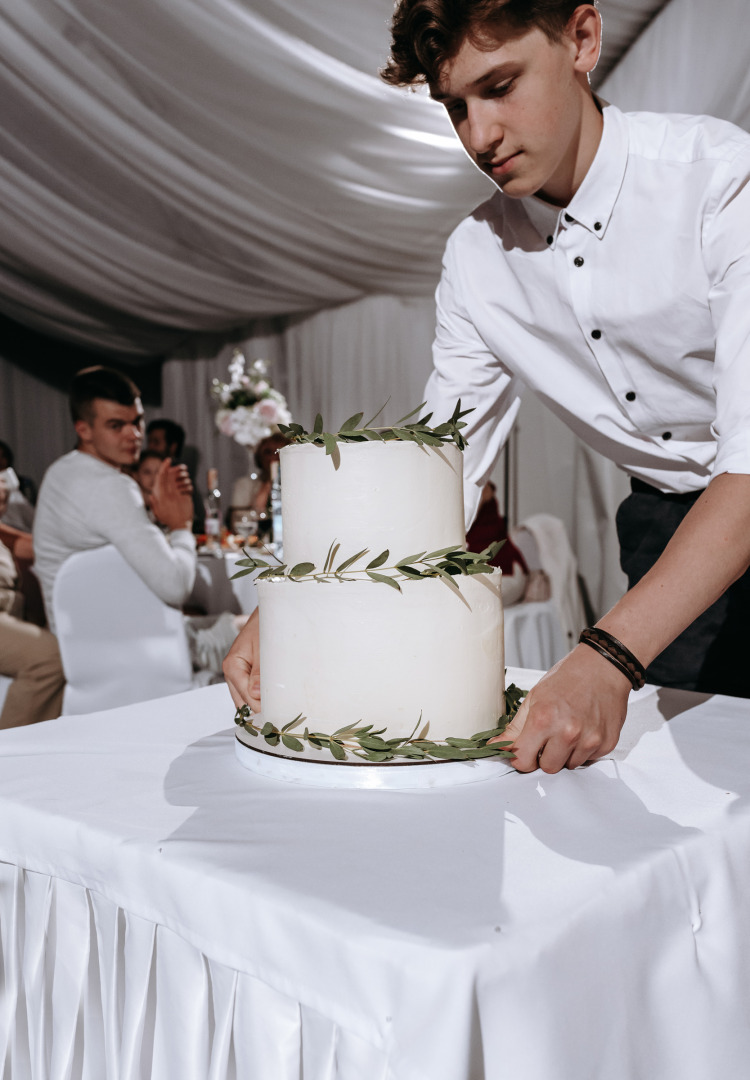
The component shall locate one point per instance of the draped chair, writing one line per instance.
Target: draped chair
(119, 642)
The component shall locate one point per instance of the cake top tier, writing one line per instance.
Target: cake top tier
(375, 495)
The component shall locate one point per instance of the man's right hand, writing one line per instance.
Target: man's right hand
(241, 665)
(171, 501)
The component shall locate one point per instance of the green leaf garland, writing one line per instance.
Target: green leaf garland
(361, 741)
(418, 431)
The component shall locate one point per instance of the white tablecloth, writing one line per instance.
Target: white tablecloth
(166, 914)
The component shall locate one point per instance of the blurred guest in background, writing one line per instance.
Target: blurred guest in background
(489, 525)
(145, 474)
(86, 501)
(167, 438)
(255, 491)
(28, 653)
(21, 493)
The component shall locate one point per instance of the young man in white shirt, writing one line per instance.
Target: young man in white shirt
(611, 275)
(87, 500)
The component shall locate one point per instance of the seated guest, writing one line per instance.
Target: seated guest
(489, 526)
(254, 492)
(167, 438)
(26, 485)
(28, 653)
(19, 507)
(86, 501)
(145, 474)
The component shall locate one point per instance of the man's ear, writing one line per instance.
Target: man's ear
(585, 33)
(83, 431)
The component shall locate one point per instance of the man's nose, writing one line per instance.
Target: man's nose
(485, 130)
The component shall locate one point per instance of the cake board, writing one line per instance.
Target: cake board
(407, 776)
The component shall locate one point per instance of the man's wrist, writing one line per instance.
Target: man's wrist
(613, 650)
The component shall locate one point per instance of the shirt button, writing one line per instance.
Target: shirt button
(667, 435)
(578, 261)
(596, 334)
(550, 239)
(630, 396)
(597, 225)
(568, 217)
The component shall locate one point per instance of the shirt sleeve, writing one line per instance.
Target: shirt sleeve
(465, 369)
(726, 242)
(166, 563)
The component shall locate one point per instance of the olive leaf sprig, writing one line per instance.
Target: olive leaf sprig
(446, 563)
(418, 431)
(366, 742)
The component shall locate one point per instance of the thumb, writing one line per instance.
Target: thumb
(516, 726)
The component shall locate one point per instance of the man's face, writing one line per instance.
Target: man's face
(146, 474)
(520, 110)
(115, 433)
(157, 441)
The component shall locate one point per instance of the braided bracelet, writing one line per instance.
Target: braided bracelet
(614, 651)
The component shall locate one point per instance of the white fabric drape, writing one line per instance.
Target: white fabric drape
(93, 991)
(176, 166)
(693, 57)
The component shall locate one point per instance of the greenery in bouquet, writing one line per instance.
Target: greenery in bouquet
(249, 409)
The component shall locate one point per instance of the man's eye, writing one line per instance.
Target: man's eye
(502, 90)
(456, 108)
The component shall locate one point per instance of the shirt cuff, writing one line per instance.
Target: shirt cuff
(183, 538)
(733, 454)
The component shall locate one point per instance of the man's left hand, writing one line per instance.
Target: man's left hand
(572, 716)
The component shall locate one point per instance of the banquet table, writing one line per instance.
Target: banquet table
(167, 914)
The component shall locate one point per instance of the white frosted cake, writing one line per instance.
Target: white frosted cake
(420, 655)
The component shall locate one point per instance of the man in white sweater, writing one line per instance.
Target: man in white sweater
(87, 501)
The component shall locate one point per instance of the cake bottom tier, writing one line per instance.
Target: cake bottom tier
(359, 652)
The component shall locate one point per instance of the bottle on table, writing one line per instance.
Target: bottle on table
(212, 505)
(276, 531)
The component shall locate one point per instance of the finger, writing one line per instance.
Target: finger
(525, 748)
(243, 683)
(516, 726)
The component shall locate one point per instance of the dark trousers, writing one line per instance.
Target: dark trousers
(713, 654)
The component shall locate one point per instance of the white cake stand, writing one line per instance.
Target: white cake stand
(398, 776)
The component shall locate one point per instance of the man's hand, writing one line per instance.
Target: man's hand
(573, 715)
(171, 500)
(241, 665)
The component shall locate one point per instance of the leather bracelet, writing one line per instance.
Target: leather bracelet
(614, 651)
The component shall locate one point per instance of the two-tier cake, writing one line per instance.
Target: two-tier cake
(381, 637)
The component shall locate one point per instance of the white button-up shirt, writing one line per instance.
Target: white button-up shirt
(627, 312)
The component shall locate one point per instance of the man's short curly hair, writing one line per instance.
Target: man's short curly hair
(427, 33)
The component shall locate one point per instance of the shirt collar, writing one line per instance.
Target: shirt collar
(593, 203)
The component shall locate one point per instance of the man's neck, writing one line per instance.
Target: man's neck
(583, 151)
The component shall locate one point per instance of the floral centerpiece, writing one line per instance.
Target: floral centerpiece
(249, 408)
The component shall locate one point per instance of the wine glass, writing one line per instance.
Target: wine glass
(246, 523)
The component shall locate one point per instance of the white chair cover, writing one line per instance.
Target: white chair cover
(557, 559)
(119, 642)
(5, 682)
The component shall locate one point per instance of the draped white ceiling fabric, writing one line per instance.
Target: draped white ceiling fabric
(175, 166)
